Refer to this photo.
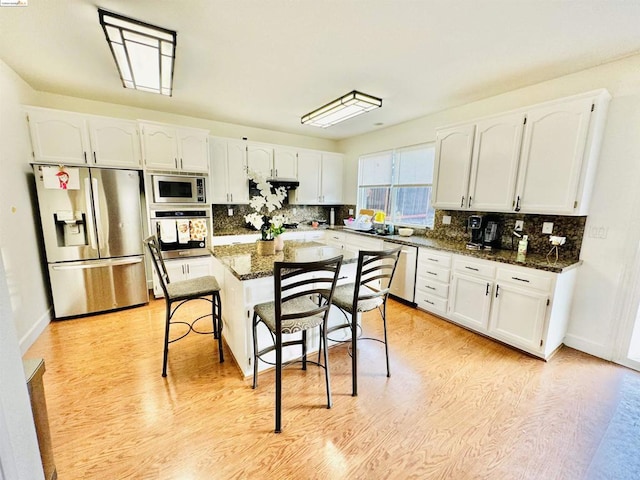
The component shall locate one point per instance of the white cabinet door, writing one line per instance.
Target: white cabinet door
(218, 173)
(285, 162)
(228, 171)
(238, 182)
(453, 163)
(193, 150)
(552, 156)
(160, 147)
(260, 159)
(115, 142)
(331, 178)
(494, 168)
(308, 192)
(58, 137)
(470, 300)
(198, 267)
(517, 316)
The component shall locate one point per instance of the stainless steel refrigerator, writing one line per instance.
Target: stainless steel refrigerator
(92, 229)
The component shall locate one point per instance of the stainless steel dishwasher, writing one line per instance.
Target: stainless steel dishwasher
(404, 280)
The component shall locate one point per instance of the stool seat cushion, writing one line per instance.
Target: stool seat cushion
(194, 287)
(343, 298)
(267, 312)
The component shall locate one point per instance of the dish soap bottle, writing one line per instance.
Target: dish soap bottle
(522, 248)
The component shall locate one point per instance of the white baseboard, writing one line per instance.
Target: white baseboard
(34, 332)
(588, 346)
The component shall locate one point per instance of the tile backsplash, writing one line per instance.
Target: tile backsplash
(563, 226)
(302, 214)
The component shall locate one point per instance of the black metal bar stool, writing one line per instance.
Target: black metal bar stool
(370, 291)
(302, 298)
(177, 294)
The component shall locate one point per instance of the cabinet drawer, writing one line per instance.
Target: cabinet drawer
(526, 279)
(434, 273)
(431, 303)
(431, 287)
(433, 257)
(474, 267)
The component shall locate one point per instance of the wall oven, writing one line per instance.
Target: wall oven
(178, 189)
(182, 233)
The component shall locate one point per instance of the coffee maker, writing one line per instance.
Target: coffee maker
(492, 235)
(474, 224)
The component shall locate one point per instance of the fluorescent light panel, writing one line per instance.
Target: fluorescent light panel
(145, 54)
(341, 109)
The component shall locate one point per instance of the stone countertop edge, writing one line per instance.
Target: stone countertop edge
(262, 266)
(532, 260)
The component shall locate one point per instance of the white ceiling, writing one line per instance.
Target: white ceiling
(265, 63)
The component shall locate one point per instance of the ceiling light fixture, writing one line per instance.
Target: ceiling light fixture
(343, 108)
(145, 54)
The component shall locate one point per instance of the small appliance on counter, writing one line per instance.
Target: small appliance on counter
(474, 224)
(492, 233)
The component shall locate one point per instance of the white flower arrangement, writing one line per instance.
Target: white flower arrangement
(264, 205)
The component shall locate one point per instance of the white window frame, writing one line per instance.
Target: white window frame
(392, 183)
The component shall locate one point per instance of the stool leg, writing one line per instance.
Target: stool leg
(354, 353)
(166, 337)
(254, 324)
(304, 350)
(278, 428)
(323, 339)
(218, 323)
(386, 345)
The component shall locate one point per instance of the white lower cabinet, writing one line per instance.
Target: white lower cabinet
(432, 280)
(183, 269)
(522, 307)
(471, 291)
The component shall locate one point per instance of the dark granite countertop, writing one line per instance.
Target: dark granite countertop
(532, 260)
(221, 232)
(245, 263)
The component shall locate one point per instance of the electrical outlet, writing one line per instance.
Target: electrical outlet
(446, 220)
(519, 225)
(351, 211)
(230, 212)
(294, 211)
(547, 227)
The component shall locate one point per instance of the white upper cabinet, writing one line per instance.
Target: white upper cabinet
(71, 138)
(285, 162)
(260, 159)
(320, 177)
(553, 156)
(453, 164)
(272, 161)
(229, 182)
(541, 159)
(167, 147)
(494, 165)
(193, 150)
(115, 142)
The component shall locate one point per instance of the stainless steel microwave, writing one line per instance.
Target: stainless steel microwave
(178, 189)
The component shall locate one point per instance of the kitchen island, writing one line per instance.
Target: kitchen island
(246, 279)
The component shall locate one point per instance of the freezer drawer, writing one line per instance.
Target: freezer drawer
(79, 288)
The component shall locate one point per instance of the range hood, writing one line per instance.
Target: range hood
(287, 183)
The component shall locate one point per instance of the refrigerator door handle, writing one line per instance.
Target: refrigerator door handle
(96, 206)
(106, 263)
(91, 226)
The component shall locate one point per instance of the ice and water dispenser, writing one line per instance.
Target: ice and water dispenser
(71, 228)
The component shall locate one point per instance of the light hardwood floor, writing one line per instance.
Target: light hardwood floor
(457, 406)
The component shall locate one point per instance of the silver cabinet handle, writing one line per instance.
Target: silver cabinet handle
(462, 202)
(521, 279)
(472, 268)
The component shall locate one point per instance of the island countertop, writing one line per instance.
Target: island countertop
(245, 263)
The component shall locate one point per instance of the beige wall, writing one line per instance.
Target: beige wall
(22, 298)
(219, 129)
(19, 234)
(603, 301)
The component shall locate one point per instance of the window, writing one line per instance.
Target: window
(399, 182)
